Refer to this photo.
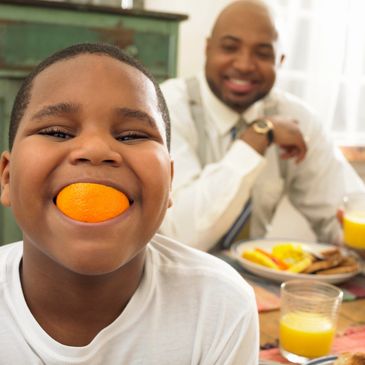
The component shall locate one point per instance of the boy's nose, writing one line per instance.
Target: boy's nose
(95, 150)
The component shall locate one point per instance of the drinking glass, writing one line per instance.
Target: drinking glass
(308, 316)
(354, 221)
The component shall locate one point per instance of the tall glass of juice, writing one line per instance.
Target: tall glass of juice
(354, 221)
(308, 316)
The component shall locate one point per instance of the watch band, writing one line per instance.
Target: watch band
(270, 136)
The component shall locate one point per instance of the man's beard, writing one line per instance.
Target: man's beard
(238, 107)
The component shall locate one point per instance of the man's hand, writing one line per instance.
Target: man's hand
(287, 136)
(339, 214)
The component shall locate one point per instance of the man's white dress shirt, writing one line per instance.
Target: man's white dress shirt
(208, 196)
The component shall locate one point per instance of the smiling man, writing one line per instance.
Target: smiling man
(106, 291)
(238, 139)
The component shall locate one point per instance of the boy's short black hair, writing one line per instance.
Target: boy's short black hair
(23, 96)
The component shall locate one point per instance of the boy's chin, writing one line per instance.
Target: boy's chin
(91, 267)
(98, 262)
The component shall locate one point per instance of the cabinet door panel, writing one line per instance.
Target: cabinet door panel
(25, 44)
(9, 231)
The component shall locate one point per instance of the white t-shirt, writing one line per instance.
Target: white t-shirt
(209, 195)
(190, 308)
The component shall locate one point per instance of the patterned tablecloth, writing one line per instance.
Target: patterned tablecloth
(352, 340)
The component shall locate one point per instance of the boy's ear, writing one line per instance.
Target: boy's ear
(172, 177)
(5, 179)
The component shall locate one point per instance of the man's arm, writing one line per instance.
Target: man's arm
(208, 199)
(286, 134)
(318, 185)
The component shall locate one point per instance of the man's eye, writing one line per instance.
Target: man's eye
(229, 47)
(264, 55)
(56, 133)
(131, 136)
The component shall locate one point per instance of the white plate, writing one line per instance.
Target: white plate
(326, 360)
(280, 276)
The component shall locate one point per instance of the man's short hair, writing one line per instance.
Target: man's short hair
(24, 94)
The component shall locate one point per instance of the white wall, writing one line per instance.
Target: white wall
(194, 31)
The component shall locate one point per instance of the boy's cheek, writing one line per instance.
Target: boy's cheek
(171, 179)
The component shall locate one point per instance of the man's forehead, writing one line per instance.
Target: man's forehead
(246, 16)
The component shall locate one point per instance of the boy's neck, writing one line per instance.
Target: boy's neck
(74, 308)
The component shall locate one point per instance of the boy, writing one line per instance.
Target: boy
(109, 292)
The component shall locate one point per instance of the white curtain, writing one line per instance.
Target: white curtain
(324, 41)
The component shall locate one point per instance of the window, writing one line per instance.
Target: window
(324, 41)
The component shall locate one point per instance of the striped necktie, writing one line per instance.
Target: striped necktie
(240, 126)
(238, 228)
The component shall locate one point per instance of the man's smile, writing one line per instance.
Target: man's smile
(240, 85)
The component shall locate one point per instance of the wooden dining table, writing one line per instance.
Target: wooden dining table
(351, 314)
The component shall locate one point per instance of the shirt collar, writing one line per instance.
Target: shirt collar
(223, 117)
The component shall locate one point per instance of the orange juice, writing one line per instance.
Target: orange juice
(354, 229)
(306, 334)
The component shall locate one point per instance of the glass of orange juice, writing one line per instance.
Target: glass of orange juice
(308, 316)
(354, 221)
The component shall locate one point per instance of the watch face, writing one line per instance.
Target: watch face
(262, 126)
(261, 123)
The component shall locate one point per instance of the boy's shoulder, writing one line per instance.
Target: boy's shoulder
(9, 255)
(182, 262)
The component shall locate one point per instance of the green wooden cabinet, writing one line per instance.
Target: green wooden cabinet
(30, 30)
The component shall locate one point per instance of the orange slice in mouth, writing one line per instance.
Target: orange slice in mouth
(91, 202)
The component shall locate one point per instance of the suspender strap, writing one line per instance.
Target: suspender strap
(197, 113)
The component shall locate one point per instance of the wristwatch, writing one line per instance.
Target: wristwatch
(264, 126)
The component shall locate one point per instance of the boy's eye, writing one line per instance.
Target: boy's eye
(56, 132)
(131, 136)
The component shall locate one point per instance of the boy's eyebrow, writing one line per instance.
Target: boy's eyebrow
(61, 108)
(136, 114)
(69, 108)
